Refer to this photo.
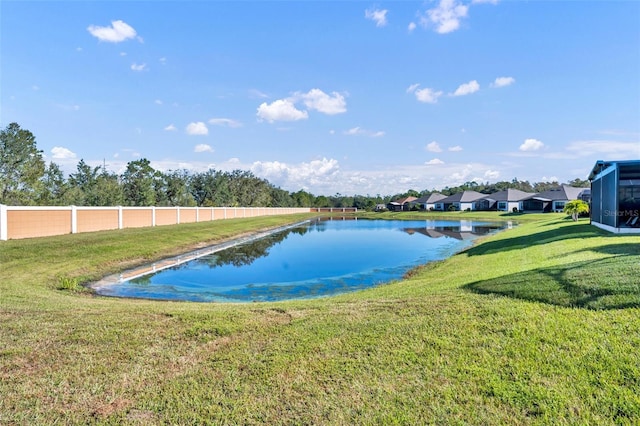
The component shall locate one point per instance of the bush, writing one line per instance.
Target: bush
(68, 283)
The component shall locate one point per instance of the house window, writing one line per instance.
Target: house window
(502, 205)
(559, 205)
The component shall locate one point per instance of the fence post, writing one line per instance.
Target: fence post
(120, 218)
(74, 220)
(153, 215)
(3, 223)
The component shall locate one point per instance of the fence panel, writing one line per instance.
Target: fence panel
(29, 222)
(187, 215)
(96, 219)
(137, 218)
(166, 216)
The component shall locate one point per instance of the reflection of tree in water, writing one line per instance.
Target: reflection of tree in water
(246, 254)
(243, 254)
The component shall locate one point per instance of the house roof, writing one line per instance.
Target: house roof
(404, 200)
(463, 197)
(602, 165)
(563, 192)
(431, 198)
(509, 195)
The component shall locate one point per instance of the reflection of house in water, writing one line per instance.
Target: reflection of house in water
(467, 230)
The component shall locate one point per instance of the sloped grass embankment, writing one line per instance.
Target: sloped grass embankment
(537, 324)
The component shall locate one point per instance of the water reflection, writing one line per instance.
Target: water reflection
(321, 258)
(464, 230)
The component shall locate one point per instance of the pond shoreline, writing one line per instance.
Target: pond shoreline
(159, 265)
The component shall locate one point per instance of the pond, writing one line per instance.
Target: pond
(313, 259)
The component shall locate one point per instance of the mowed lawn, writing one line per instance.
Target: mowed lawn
(536, 324)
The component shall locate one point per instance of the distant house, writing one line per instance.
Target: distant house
(428, 202)
(554, 200)
(402, 204)
(504, 201)
(615, 196)
(460, 201)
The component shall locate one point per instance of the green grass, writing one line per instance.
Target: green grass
(538, 324)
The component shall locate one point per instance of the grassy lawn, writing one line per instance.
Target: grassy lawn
(537, 324)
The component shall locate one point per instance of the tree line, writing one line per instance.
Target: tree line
(25, 179)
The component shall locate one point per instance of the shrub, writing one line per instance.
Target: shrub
(68, 283)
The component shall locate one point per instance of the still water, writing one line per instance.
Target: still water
(315, 259)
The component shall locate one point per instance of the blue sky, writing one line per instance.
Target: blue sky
(348, 97)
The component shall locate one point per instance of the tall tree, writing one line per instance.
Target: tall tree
(53, 187)
(137, 182)
(21, 166)
(172, 189)
(108, 191)
(83, 184)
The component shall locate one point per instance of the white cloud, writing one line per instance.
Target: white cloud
(203, 147)
(434, 162)
(325, 176)
(118, 31)
(254, 93)
(158, 102)
(412, 88)
(170, 128)
(61, 153)
(197, 128)
(427, 95)
(462, 174)
(434, 147)
(467, 88)
(225, 122)
(280, 110)
(445, 17)
(491, 174)
(531, 145)
(360, 131)
(320, 175)
(378, 16)
(411, 26)
(549, 179)
(320, 101)
(609, 150)
(138, 67)
(503, 82)
(456, 148)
